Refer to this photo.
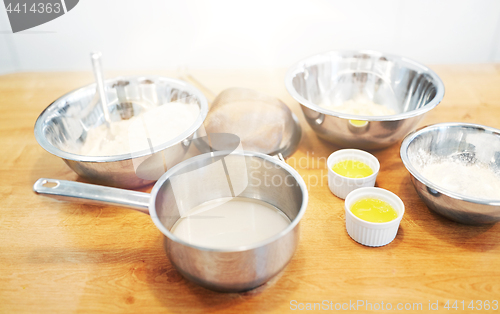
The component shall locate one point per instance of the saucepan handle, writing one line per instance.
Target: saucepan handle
(92, 194)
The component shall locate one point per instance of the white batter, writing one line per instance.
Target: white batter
(230, 222)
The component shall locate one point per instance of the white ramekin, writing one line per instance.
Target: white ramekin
(340, 185)
(372, 233)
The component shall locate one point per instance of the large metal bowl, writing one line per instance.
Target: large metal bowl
(61, 129)
(469, 143)
(405, 86)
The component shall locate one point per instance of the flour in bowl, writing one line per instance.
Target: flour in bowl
(361, 107)
(476, 180)
(154, 127)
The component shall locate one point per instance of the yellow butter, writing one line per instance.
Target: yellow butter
(352, 169)
(373, 210)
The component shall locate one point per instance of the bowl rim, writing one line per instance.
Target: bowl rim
(172, 171)
(415, 173)
(358, 194)
(42, 140)
(297, 67)
(358, 152)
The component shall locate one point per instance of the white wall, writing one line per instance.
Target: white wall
(160, 34)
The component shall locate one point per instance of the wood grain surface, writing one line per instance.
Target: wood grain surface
(58, 257)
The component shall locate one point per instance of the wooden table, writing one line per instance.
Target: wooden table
(60, 257)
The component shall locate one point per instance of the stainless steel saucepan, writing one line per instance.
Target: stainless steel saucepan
(196, 181)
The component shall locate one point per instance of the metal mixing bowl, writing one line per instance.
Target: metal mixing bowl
(61, 129)
(468, 143)
(403, 85)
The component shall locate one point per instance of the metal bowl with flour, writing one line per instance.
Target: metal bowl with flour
(406, 87)
(64, 126)
(472, 147)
